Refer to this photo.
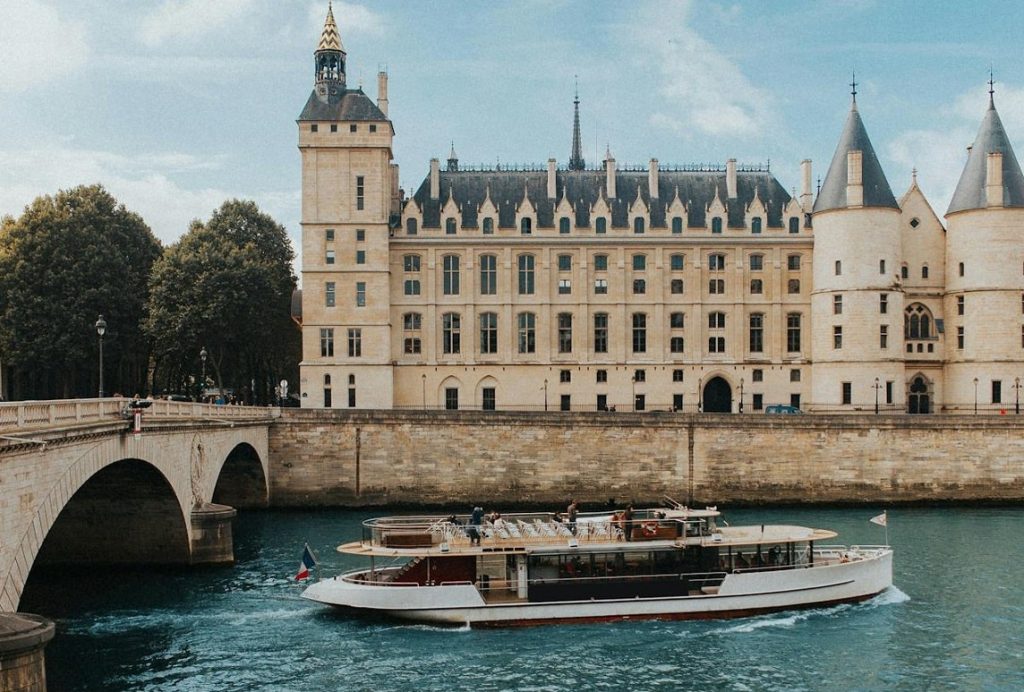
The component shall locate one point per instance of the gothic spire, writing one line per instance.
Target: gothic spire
(330, 53)
(576, 162)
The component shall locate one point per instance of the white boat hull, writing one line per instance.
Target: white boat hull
(739, 595)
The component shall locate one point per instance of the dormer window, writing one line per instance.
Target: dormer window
(716, 224)
(755, 226)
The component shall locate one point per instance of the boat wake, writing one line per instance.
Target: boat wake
(890, 596)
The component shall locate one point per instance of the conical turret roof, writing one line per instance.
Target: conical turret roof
(330, 39)
(970, 191)
(877, 192)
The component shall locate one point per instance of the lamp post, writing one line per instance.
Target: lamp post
(202, 384)
(975, 396)
(424, 376)
(741, 395)
(700, 394)
(877, 387)
(1016, 399)
(101, 329)
(545, 394)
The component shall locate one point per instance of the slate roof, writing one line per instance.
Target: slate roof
(344, 104)
(877, 192)
(583, 188)
(970, 191)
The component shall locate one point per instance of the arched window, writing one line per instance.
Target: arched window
(716, 320)
(601, 225)
(839, 267)
(563, 224)
(449, 227)
(917, 322)
(677, 224)
(488, 275)
(716, 224)
(526, 226)
(411, 322)
(638, 225)
(755, 226)
(924, 272)
(410, 227)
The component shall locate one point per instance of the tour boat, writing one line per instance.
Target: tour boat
(673, 562)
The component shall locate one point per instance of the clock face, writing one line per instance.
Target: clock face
(321, 90)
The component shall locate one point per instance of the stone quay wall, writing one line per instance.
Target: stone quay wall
(365, 458)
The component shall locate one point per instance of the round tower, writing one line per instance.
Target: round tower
(985, 275)
(857, 301)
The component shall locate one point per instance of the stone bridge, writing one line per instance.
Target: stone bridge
(79, 485)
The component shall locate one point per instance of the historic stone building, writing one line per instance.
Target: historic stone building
(655, 288)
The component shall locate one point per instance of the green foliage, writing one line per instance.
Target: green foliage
(64, 262)
(226, 286)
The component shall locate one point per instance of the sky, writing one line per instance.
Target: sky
(178, 105)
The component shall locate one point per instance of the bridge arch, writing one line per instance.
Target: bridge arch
(241, 481)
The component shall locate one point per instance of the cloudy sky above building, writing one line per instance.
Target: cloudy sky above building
(177, 105)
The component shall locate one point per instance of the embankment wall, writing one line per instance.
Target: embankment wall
(357, 458)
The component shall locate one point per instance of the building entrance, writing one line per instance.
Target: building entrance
(717, 396)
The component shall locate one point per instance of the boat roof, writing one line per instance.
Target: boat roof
(664, 528)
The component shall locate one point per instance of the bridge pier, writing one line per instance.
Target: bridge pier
(212, 541)
(22, 640)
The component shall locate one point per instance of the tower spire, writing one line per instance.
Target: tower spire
(576, 162)
(853, 88)
(330, 54)
(991, 89)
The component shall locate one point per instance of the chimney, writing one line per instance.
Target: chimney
(994, 179)
(854, 179)
(382, 92)
(552, 187)
(806, 196)
(609, 170)
(730, 178)
(652, 179)
(435, 179)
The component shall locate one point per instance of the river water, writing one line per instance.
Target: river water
(955, 620)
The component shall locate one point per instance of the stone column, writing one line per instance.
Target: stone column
(22, 640)
(212, 542)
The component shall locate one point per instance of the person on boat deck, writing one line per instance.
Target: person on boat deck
(474, 525)
(454, 520)
(557, 517)
(627, 522)
(572, 511)
(497, 520)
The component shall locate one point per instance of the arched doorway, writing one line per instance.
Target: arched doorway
(717, 396)
(919, 398)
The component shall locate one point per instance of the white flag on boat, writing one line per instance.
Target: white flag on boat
(881, 519)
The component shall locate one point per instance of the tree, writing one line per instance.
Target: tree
(64, 262)
(226, 286)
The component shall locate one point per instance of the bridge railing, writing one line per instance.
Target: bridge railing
(60, 412)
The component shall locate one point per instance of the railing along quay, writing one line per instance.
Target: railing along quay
(39, 415)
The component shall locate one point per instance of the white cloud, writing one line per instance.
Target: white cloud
(703, 91)
(30, 31)
(189, 19)
(939, 153)
(350, 17)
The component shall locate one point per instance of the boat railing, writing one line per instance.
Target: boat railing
(521, 529)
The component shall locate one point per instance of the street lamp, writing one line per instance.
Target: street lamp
(101, 329)
(975, 396)
(877, 387)
(700, 394)
(1016, 391)
(202, 385)
(424, 376)
(741, 395)
(545, 394)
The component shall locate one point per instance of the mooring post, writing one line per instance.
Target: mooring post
(22, 640)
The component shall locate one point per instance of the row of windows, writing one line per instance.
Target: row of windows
(526, 328)
(526, 280)
(677, 262)
(315, 127)
(639, 225)
(355, 342)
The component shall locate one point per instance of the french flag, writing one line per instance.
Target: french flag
(308, 563)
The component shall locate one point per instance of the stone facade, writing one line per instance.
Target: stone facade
(357, 458)
(650, 288)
